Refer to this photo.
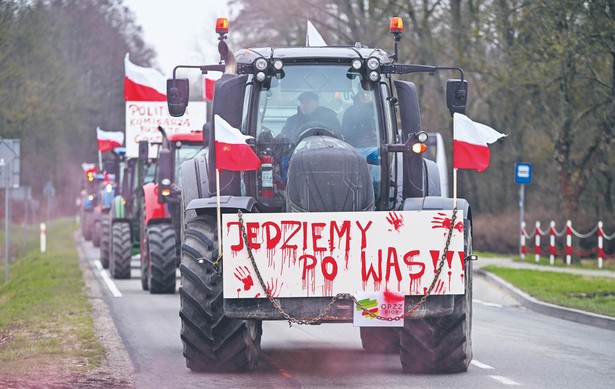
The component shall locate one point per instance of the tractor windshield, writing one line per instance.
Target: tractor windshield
(322, 96)
(317, 99)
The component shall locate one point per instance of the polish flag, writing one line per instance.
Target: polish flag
(143, 84)
(108, 140)
(232, 151)
(470, 143)
(210, 83)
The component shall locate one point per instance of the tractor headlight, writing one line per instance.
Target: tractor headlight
(261, 64)
(373, 63)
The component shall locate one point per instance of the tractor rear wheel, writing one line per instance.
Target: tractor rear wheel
(120, 255)
(161, 253)
(105, 232)
(441, 344)
(211, 341)
(86, 227)
(96, 234)
(380, 340)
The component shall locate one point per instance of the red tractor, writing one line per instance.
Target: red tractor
(160, 227)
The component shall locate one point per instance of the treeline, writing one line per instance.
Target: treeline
(541, 71)
(61, 76)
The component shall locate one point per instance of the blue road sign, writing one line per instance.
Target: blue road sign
(523, 173)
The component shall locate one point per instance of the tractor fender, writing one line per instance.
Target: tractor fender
(118, 209)
(153, 209)
(194, 180)
(432, 178)
(228, 204)
(438, 204)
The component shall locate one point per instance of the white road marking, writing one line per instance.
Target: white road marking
(481, 365)
(487, 303)
(105, 276)
(504, 380)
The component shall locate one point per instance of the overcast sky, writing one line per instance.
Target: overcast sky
(181, 31)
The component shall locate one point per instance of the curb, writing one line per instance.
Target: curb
(531, 303)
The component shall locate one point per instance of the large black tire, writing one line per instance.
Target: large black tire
(161, 244)
(96, 234)
(211, 341)
(144, 249)
(441, 344)
(105, 232)
(88, 223)
(380, 340)
(120, 254)
(144, 270)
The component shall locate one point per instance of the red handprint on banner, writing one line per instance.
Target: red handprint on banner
(396, 220)
(443, 221)
(273, 288)
(439, 289)
(243, 274)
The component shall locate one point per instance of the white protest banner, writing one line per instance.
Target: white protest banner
(144, 117)
(322, 254)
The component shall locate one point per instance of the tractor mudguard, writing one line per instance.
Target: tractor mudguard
(153, 209)
(227, 203)
(437, 203)
(118, 209)
(194, 179)
(432, 176)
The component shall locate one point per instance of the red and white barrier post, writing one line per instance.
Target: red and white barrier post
(523, 249)
(568, 242)
(552, 243)
(43, 237)
(600, 243)
(537, 242)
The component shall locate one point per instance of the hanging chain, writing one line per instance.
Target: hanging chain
(345, 296)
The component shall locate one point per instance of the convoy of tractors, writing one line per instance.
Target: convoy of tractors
(279, 211)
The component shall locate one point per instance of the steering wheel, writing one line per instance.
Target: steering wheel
(315, 129)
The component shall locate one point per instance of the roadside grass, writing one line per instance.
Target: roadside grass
(583, 263)
(591, 294)
(45, 316)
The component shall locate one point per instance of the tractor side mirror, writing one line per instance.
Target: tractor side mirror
(456, 96)
(177, 96)
(143, 150)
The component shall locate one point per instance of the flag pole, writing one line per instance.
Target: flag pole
(218, 217)
(99, 161)
(455, 188)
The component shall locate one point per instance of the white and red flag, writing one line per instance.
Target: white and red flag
(210, 83)
(470, 143)
(143, 84)
(232, 151)
(108, 140)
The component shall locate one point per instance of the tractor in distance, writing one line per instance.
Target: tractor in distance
(90, 179)
(127, 211)
(160, 227)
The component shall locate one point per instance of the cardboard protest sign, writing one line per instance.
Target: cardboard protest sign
(144, 117)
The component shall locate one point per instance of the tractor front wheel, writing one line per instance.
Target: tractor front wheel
(211, 341)
(120, 255)
(162, 256)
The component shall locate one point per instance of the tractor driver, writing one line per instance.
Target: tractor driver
(359, 121)
(309, 112)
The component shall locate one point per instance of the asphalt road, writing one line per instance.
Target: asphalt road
(512, 347)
